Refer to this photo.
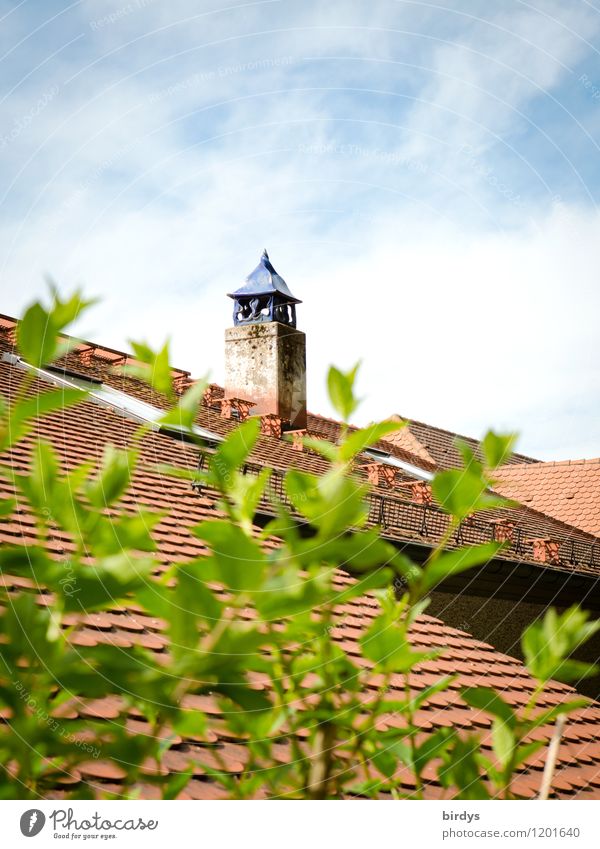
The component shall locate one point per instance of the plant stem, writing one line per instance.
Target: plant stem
(550, 764)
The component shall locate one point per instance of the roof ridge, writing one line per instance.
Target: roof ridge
(7, 322)
(434, 427)
(583, 461)
(454, 433)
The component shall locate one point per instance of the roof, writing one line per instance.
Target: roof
(264, 280)
(437, 445)
(567, 490)
(81, 434)
(391, 506)
(405, 442)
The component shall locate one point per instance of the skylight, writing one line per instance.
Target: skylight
(107, 396)
(390, 460)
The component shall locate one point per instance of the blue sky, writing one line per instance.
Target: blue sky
(424, 175)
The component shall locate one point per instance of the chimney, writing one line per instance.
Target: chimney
(546, 550)
(503, 530)
(265, 355)
(421, 492)
(378, 474)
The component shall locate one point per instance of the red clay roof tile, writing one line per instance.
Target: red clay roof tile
(568, 491)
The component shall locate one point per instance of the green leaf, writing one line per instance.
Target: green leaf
(247, 493)
(233, 452)
(332, 502)
(27, 561)
(122, 534)
(428, 692)
(361, 439)
(244, 696)
(110, 580)
(302, 490)
(154, 367)
(114, 477)
(525, 751)
(453, 562)
(199, 599)
(570, 671)
(64, 313)
(356, 552)
(190, 723)
(7, 506)
(177, 783)
(237, 650)
(548, 644)
(38, 331)
(484, 698)
(254, 492)
(419, 607)
(237, 561)
(470, 460)
(385, 761)
(22, 414)
(342, 503)
(41, 484)
(321, 446)
(287, 594)
(432, 748)
(341, 391)
(547, 716)
(461, 768)
(369, 581)
(386, 645)
(36, 336)
(192, 603)
(503, 740)
(183, 415)
(497, 448)
(461, 492)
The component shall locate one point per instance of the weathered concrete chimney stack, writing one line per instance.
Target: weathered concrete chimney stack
(265, 355)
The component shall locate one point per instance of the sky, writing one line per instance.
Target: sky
(425, 176)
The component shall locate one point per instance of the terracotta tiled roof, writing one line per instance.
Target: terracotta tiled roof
(476, 663)
(439, 444)
(405, 441)
(82, 434)
(568, 491)
(392, 507)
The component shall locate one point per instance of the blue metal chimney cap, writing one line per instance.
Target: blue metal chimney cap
(264, 280)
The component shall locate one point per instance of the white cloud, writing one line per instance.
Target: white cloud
(160, 171)
(497, 331)
(483, 80)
